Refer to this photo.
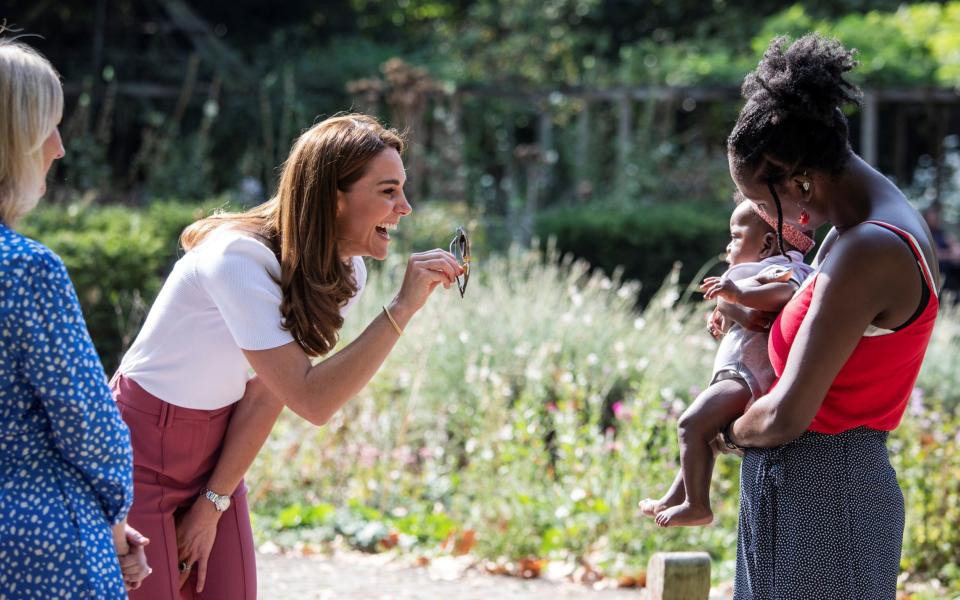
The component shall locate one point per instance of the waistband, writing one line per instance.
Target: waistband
(128, 392)
(857, 435)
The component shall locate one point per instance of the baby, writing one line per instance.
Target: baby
(764, 273)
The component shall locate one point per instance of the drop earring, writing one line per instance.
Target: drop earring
(804, 215)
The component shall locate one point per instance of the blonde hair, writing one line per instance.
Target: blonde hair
(31, 105)
(299, 223)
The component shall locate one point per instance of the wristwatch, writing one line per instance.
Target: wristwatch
(221, 502)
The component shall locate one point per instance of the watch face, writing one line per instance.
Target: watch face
(222, 503)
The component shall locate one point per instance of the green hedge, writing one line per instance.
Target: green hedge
(644, 241)
(117, 258)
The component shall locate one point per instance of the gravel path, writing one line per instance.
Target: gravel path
(386, 577)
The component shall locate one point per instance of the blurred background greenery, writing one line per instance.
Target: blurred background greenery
(582, 142)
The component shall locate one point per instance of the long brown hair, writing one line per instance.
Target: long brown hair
(299, 223)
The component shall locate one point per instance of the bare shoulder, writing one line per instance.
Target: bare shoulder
(868, 247)
(871, 267)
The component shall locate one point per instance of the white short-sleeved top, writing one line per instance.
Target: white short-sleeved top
(220, 299)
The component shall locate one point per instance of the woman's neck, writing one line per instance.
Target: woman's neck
(850, 197)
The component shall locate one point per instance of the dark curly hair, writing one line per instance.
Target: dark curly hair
(793, 112)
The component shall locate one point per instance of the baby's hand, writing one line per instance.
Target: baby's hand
(720, 287)
(716, 324)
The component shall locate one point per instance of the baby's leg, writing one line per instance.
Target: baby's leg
(673, 497)
(716, 406)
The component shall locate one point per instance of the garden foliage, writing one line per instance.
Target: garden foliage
(538, 410)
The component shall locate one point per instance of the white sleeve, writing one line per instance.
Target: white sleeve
(238, 277)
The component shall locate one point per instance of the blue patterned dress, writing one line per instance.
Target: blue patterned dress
(65, 459)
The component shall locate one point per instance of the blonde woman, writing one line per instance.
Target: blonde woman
(65, 468)
(265, 289)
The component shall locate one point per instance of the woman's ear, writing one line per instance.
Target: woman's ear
(341, 202)
(769, 247)
(803, 183)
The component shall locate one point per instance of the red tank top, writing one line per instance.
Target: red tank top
(874, 385)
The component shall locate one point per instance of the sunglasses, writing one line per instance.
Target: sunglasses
(460, 249)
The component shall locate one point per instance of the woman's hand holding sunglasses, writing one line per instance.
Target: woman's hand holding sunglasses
(425, 271)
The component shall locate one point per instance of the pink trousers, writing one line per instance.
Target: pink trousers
(174, 452)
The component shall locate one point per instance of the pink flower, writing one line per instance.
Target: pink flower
(620, 411)
(368, 456)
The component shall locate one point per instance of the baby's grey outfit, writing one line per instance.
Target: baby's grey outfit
(743, 353)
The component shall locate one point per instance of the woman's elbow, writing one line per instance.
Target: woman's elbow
(319, 419)
(306, 411)
(784, 428)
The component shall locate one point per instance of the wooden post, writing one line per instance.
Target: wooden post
(869, 121)
(548, 159)
(940, 131)
(901, 169)
(583, 143)
(99, 18)
(448, 178)
(678, 576)
(624, 134)
(510, 185)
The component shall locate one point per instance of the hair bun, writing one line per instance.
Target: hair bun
(806, 80)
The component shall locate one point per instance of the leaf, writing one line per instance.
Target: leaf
(465, 542)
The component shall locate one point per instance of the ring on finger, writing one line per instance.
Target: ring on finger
(184, 566)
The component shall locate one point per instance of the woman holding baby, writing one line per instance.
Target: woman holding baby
(821, 512)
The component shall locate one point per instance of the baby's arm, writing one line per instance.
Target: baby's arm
(761, 292)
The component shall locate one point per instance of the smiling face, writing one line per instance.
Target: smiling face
(751, 240)
(372, 207)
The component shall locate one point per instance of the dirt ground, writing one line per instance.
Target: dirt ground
(348, 575)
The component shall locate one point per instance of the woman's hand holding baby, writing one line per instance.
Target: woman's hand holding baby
(754, 320)
(774, 274)
(716, 324)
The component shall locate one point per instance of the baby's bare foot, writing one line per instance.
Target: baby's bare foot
(685, 515)
(652, 506)
(674, 496)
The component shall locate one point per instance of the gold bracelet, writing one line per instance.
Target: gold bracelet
(392, 322)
